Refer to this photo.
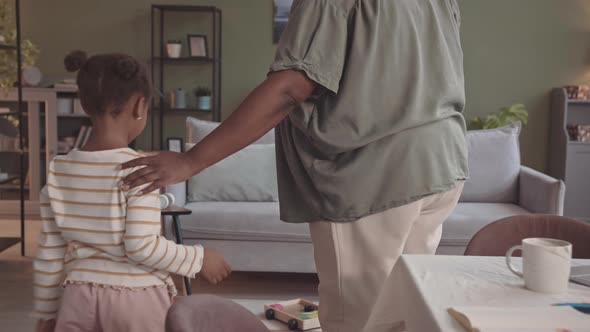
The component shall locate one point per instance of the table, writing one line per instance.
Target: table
(175, 212)
(420, 289)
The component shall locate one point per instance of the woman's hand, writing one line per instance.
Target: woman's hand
(44, 325)
(161, 169)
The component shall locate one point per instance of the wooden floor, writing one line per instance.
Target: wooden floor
(16, 280)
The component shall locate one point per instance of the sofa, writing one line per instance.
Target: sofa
(242, 219)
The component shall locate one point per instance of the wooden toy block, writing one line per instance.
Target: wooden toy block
(298, 314)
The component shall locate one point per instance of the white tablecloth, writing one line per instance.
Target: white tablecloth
(420, 289)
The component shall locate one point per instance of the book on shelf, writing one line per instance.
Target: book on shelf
(87, 136)
(4, 110)
(78, 107)
(81, 136)
(68, 143)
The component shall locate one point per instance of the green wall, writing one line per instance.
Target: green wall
(124, 26)
(515, 51)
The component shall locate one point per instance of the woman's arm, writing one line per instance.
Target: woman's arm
(261, 111)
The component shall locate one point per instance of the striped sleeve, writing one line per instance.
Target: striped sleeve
(145, 245)
(48, 267)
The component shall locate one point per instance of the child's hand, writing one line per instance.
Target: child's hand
(44, 325)
(215, 268)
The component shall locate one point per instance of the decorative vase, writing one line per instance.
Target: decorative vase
(31, 76)
(204, 103)
(178, 98)
(173, 50)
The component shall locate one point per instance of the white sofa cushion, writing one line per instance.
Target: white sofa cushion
(197, 129)
(259, 221)
(469, 218)
(249, 175)
(494, 165)
(249, 221)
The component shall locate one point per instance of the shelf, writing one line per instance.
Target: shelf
(7, 47)
(10, 179)
(182, 110)
(162, 15)
(184, 59)
(83, 116)
(9, 113)
(16, 113)
(579, 101)
(66, 90)
(578, 143)
(186, 8)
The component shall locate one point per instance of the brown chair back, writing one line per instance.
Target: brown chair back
(496, 238)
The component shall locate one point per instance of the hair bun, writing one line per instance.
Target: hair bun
(75, 60)
(127, 68)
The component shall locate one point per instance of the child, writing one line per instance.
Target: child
(100, 244)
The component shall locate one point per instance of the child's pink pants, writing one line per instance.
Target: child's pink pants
(87, 308)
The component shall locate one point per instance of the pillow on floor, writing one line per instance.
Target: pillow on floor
(247, 176)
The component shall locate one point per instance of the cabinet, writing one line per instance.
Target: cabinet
(40, 146)
(570, 160)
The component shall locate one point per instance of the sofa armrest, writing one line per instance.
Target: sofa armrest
(179, 192)
(540, 193)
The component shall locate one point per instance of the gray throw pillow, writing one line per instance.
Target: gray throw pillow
(197, 129)
(494, 165)
(247, 176)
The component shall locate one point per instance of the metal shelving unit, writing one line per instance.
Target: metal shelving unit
(159, 62)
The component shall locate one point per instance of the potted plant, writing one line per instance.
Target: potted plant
(174, 48)
(506, 116)
(203, 99)
(8, 64)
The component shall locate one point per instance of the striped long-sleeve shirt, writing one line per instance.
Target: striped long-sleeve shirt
(95, 233)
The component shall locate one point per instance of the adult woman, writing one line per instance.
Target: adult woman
(367, 99)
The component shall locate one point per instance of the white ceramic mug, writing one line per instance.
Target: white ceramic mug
(545, 264)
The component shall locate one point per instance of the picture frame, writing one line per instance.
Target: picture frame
(197, 46)
(175, 144)
(280, 17)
